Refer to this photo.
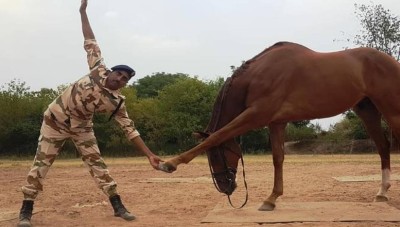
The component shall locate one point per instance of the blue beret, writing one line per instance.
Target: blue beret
(125, 68)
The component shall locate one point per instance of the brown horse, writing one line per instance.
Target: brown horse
(289, 82)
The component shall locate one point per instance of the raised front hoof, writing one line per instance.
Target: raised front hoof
(166, 167)
(381, 198)
(267, 206)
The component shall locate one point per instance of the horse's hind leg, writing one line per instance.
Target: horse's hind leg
(371, 118)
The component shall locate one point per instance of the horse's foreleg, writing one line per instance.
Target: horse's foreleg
(241, 124)
(277, 133)
(172, 164)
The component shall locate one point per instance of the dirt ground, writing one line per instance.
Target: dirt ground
(70, 197)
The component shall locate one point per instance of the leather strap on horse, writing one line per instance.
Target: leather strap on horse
(212, 125)
(245, 186)
(244, 181)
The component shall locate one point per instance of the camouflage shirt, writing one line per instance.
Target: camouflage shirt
(75, 107)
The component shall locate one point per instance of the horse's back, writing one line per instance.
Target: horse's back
(296, 82)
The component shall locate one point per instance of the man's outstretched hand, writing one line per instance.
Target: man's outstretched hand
(155, 161)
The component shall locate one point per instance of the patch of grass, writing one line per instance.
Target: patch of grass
(4, 163)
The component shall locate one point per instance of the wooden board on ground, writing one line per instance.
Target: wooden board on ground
(287, 212)
(376, 177)
(177, 180)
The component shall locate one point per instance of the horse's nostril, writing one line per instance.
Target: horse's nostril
(229, 192)
(231, 188)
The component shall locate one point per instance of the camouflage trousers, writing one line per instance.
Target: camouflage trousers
(52, 138)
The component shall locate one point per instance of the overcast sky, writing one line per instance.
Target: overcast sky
(41, 40)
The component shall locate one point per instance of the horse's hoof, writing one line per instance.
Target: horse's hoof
(267, 206)
(166, 167)
(381, 198)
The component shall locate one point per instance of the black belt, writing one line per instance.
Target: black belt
(116, 109)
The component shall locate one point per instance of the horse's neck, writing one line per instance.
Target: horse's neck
(218, 104)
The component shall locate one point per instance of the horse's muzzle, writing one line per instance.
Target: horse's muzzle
(231, 188)
(225, 181)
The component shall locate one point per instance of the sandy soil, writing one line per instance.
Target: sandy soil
(70, 197)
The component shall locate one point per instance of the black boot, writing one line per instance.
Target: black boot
(119, 209)
(25, 214)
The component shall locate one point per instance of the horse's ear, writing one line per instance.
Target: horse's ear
(200, 135)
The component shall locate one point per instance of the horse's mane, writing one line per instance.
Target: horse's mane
(212, 125)
(276, 45)
(246, 64)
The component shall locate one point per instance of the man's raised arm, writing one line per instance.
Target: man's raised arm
(86, 29)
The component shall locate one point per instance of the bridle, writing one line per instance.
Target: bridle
(228, 172)
(212, 127)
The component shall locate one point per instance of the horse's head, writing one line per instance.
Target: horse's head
(223, 161)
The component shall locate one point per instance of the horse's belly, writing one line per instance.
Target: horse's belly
(316, 106)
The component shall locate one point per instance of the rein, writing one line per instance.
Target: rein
(245, 185)
(227, 170)
(212, 126)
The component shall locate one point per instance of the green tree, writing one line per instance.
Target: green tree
(255, 141)
(150, 86)
(352, 126)
(300, 132)
(146, 114)
(19, 119)
(185, 106)
(300, 124)
(381, 29)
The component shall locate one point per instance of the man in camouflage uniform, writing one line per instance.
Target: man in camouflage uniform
(70, 115)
